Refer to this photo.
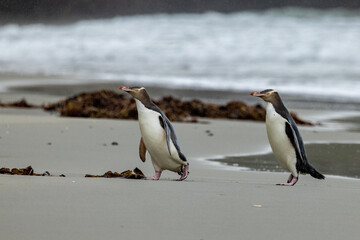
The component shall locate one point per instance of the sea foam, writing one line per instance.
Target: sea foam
(292, 50)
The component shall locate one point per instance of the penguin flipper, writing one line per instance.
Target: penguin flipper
(142, 150)
(170, 135)
(296, 142)
(302, 164)
(164, 122)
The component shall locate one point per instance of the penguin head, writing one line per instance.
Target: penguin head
(137, 92)
(268, 95)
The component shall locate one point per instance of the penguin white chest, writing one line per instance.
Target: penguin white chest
(154, 138)
(279, 141)
(149, 122)
(152, 133)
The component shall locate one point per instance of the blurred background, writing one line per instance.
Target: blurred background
(308, 50)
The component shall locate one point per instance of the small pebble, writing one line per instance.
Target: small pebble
(209, 133)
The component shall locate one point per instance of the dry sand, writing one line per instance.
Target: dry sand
(215, 202)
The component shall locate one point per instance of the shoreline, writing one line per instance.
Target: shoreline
(61, 87)
(324, 133)
(323, 156)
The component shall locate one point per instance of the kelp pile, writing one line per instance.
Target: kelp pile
(128, 174)
(109, 104)
(28, 171)
(100, 104)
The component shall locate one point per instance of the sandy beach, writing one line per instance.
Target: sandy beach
(48, 53)
(215, 202)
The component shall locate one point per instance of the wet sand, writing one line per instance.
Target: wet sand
(215, 202)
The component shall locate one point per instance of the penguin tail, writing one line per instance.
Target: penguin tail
(312, 171)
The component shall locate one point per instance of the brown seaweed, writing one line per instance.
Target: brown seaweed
(28, 171)
(19, 104)
(135, 174)
(109, 104)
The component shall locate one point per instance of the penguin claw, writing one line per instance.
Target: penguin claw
(184, 173)
(291, 177)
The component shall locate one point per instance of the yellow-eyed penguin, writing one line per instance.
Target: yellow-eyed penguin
(285, 139)
(157, 136)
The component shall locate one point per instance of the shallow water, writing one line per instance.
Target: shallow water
(352, 123)
(332, 159)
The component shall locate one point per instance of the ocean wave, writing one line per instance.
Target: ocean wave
(293, 50)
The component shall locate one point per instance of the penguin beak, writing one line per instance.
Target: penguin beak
(126, 89)
(257, 94)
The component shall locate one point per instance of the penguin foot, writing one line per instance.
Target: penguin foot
(155, 177)
(184, 173)
(291, 177)
(290, 182)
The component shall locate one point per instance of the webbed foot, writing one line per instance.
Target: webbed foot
(290, 182)
(155, 177)
(184, 173)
